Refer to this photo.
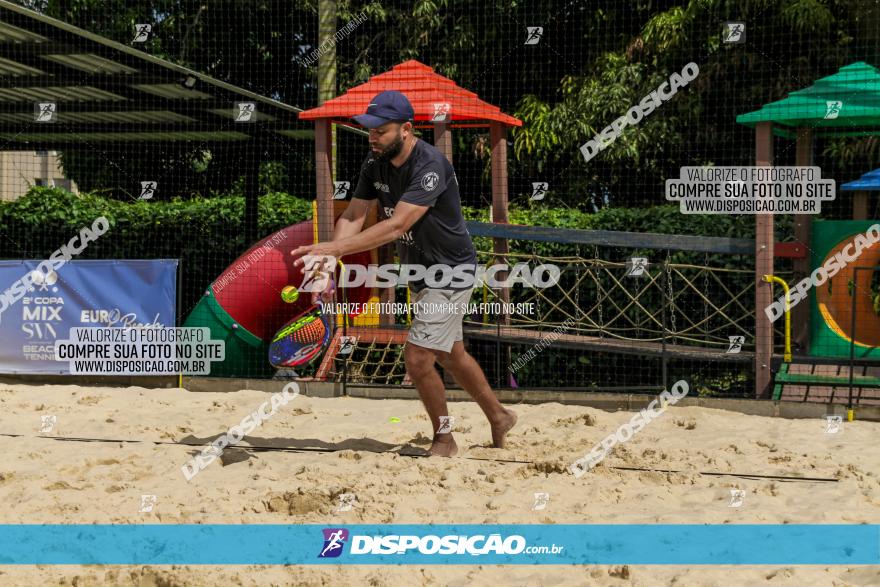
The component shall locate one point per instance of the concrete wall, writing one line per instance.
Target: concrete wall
(19, 170)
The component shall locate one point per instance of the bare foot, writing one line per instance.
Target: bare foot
(502, 427)
(443, 446)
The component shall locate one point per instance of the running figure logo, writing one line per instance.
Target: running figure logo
(346, 502)
(147, 503)
(148, 188)
(340, 189)
(736, 498)
(446, 423)
(45, 111)
(833, 424)
(534, 35)
(244, 111)
(539, 190)
(441, 112)
(334, 541)
(541, 500)
(832, 109)
(142, 33)
(346, 344)
(734, 32)
(318, 271)
(636, 266)
(736, 344)
(47, 423)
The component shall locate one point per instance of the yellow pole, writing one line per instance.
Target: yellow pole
(344, 314)
(315, 221)
(773, 279)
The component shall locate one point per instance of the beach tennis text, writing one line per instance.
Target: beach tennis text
(140, 351)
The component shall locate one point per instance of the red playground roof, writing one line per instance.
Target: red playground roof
(423, 87)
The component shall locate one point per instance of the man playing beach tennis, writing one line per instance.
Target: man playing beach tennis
(418, 192)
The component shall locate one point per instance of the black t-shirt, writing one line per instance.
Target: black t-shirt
(426, 178)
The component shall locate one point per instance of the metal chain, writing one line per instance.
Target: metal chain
(672, 327)
(577, 277)
(636, 285)
(595, 263)
(537, 298)
(706, 293)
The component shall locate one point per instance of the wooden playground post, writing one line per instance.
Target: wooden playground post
(800, 314)
(498, 139)
(860, 205)
(443, 139)
(324, 178)
(763, 266)
(443, 142)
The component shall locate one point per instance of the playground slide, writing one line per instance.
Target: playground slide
(834, 302)
(243, 306)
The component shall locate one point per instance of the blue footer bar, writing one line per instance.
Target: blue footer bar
(214, 544)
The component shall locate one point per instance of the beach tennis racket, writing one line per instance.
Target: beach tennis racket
(301, 339)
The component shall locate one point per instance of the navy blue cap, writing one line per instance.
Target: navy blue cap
(385, 107)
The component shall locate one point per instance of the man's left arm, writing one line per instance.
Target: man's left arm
(404, 217)
(425, 187)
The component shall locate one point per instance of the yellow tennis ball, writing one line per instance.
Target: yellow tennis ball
(289, 294)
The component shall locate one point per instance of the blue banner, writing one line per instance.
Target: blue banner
(214, 544)
(115, 293)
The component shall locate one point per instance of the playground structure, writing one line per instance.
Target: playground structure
(426, 90)
(820, 326)
(804, 116)
(243, 306)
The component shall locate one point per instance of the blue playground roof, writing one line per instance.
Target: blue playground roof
(868, 182)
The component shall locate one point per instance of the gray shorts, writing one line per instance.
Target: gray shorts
(438, 314)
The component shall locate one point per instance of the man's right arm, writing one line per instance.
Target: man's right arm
(352, 220)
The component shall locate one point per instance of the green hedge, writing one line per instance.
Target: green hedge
(38, 223)
(207, 234)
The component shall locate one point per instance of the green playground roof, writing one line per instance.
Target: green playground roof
(840, 105)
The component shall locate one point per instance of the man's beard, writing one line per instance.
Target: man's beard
(391, 151)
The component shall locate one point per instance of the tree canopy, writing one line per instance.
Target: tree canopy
(593, 62)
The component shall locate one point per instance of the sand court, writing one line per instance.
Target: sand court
(101, 455)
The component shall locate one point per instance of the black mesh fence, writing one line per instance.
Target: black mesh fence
(182, 125)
